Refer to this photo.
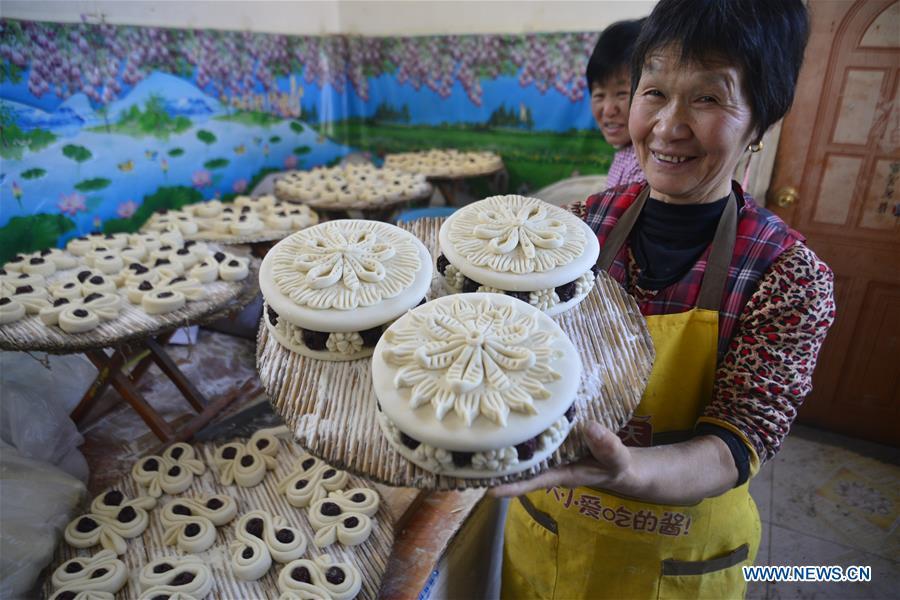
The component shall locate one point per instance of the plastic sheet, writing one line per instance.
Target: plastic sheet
(41, 469)
(38, 501)
(34, 407)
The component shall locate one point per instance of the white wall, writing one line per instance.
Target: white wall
(371, 17)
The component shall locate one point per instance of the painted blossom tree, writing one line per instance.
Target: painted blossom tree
(101, 60)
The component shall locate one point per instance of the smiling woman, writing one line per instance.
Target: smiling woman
(690, 125)
(737, 307)
(609, 81)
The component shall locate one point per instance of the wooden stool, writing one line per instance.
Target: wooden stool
(147, 351)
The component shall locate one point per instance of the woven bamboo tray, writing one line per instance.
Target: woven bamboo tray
(461, 176)
(30, 333)
(433, 177)
(331, 405)
(266, 235)
(377, 205)
(369, 557)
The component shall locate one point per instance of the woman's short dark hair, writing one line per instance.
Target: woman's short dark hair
(765, 39)
(613, 51)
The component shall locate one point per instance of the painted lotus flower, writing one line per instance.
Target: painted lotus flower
(239, 186)
(201, 179)
(126, 209)
(474, 358)
(71, 204)
(290, 162)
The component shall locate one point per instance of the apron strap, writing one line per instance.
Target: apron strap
(621, 230)
(716, 275)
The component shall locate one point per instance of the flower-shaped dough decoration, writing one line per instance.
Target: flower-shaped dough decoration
(102, 572)
(190, 524)
(345, 264)
(111, 520)
(175, 578)
(173, 472)
(344, 516)
(349, 257)
(24, 298)
(77, 315)
(321, 577)
(526, 228)
(247, 464)
(261, 538)
(473, 358)
(344, 343)
(516, 234)
(311, 481)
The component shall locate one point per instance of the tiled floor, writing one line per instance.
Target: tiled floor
(824, 500)
(830, 500)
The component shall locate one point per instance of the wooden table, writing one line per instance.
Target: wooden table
(124, 348)
(111, 371)
(449, 186)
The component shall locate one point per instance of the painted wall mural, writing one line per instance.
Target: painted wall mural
(102, 124)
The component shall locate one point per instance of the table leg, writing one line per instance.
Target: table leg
(111, 374)
(499, 183)
(109, 367)
(106, 367)
(448, 191)
(139, 369)
(159, 426)
(168, 366)
(212, 409)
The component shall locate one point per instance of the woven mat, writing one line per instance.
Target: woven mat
(266, 235)
(370, 557)
(331, 405)
(461, 176)
(381, 204)
(30, 333)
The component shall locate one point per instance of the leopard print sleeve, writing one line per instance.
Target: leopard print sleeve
(767, 370)
(578, 208)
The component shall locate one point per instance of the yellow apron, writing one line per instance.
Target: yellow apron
(589, 543)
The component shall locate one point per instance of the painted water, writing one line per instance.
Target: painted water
(136, 167)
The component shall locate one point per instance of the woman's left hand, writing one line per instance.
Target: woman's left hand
(611, 466)
(682, 473)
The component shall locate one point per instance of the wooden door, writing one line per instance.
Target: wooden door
(840, 149)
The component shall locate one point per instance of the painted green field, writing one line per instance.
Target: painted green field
(533, 158)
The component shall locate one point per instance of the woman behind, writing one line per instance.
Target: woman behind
(737, 307)
(608, 76)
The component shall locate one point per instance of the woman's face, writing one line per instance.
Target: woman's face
(609, 105)
(690, 123)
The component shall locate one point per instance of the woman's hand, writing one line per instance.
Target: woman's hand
(682, 473)
(611, 466)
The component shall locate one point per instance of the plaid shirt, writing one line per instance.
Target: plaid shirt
(761, 238)
(624, 168)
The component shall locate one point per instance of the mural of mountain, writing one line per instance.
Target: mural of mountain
(80, 105)
(74, 113)
(179, 97)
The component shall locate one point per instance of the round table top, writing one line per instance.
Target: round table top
(30, 334)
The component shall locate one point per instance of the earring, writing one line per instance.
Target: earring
(755, 147)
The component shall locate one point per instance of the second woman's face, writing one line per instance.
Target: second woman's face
(690, 124)
(609, 105)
